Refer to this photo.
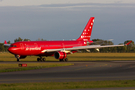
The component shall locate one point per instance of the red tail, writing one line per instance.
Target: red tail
(86, 34)
(5, 42)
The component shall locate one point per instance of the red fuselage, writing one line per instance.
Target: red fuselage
(27, 48)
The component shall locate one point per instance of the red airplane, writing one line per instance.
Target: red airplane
(58, 49)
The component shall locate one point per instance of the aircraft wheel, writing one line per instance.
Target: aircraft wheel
(38, 59)
(61, 60)
(43, 59)
(66, 59)
(18, 60)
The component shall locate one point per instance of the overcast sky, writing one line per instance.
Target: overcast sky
(66, 19)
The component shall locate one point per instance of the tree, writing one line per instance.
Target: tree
(113, 49)
(8, 42)
(2, 47)
(27, 40)
(39, 39)
(131, 46)
(122, 49)
(19, 39)
(104, 42)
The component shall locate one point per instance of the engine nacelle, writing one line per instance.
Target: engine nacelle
(20, 57)
(60, 55)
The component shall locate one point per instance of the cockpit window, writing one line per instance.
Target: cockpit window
(13, 46)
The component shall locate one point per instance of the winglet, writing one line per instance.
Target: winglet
(5, 42)
(128, 43)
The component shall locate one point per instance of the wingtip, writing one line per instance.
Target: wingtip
(128, 43)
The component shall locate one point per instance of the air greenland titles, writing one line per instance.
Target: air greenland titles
(58, 49)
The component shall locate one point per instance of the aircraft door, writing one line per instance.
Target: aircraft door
(22, 46)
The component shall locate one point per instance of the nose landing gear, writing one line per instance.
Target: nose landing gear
(18, 58)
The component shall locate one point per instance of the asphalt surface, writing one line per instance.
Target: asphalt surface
(80, 71)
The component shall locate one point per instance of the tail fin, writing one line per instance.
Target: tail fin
(86, 34)
(5, 42)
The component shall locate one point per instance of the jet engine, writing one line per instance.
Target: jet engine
(60, 55)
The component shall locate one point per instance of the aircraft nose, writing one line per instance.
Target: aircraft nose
(9, 49)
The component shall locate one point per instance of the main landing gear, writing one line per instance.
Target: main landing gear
(62, 60)
(41, 59)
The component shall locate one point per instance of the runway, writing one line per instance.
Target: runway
(80, 71)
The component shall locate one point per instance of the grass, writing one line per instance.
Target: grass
(67, 85)
(102, 56)
(30, 66)
(76, 57)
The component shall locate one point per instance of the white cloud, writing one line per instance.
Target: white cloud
(42, 2)
(33, 22)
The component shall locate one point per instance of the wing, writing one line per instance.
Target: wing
(84, 47)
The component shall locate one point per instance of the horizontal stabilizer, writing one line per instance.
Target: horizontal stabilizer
(5, 44)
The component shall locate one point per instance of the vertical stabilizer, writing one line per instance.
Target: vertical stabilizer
(86, 34)
(5, 42)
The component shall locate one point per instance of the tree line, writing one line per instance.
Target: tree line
(124, 49)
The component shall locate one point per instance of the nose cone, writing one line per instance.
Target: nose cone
(10, 49)
(13, 50)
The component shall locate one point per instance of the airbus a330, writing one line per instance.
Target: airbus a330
(58, 49)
